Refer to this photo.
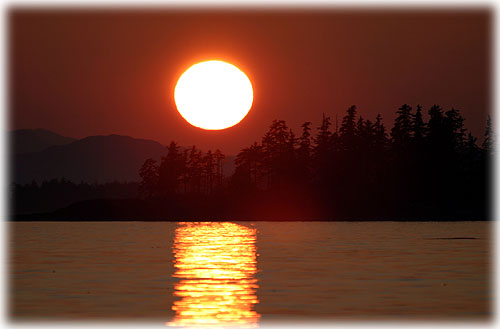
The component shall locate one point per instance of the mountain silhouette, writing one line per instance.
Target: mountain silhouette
(91, 159)
(35, 140)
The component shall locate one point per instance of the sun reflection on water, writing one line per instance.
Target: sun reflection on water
(216, 264)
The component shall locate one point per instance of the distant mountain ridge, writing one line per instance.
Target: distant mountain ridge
(35, 140)
(91, 159)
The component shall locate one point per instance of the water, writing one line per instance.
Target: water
(247, 273)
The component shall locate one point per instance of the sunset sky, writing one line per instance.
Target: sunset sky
(83, 72)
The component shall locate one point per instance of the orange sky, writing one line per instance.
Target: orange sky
(82, 72)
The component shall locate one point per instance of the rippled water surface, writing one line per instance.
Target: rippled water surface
(246, 273)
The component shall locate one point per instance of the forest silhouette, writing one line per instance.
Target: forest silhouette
(355, 169)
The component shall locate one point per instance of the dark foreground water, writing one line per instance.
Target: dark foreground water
(245, 273)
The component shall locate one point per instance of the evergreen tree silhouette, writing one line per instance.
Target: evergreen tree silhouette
(219, 174)
(425, 170)
(149, 178)
(276, 147)
(323, 137)
(209, 171)
(195, 169)
(380, 135)
(321, 152)
(436, 131)
(418, 127)
(455, 131)
(402, 129)
(347, 132)
(304, 152)
(250, 162)
(171, 168)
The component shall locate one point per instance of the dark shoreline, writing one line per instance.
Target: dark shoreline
(215, 210)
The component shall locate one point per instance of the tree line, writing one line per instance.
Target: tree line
(423, 167)
(359, 168)
(189, 171)
(56, 193)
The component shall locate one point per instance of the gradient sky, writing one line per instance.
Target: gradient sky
(82, 72)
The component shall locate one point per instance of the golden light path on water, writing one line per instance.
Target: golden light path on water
(216, 264)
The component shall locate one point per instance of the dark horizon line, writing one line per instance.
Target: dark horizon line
(424, 114)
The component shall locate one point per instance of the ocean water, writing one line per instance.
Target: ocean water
(248, 273)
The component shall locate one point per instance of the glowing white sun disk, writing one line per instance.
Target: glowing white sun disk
(213, 95)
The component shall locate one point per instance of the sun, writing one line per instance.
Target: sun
(213, 95)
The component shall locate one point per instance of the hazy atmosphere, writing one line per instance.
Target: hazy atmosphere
(84, 72)
(250, 167)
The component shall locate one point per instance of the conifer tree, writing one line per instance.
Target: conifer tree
(418, 126)
(401, 131)
(347, 132)
(171, 169)
(149, 178)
